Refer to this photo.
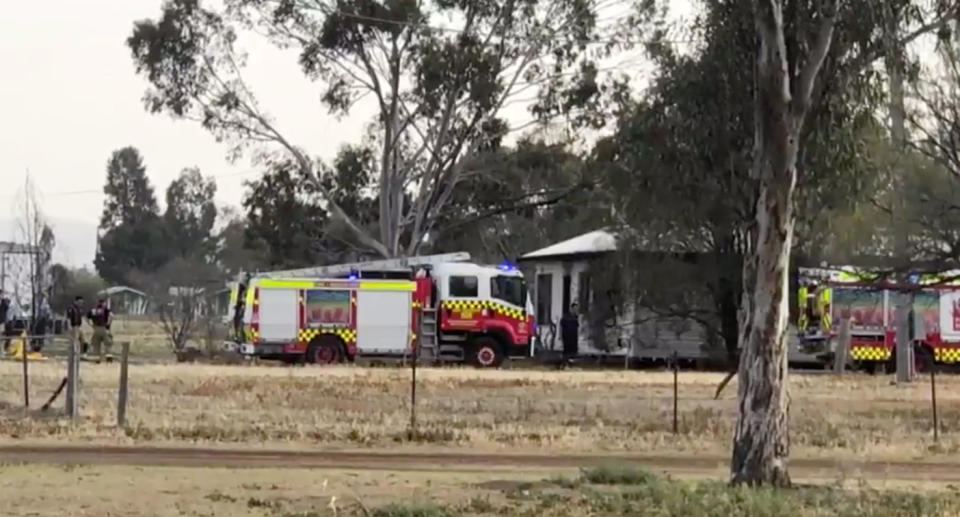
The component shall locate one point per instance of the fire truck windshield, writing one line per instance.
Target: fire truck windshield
(510, 289)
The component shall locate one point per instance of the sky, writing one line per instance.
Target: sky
(70, 96)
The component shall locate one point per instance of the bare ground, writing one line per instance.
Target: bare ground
(856, 417)
(433, 460)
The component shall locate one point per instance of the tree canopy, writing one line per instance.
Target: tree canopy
(439, 88)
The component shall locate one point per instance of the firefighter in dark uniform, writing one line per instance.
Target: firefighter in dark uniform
(5, 326)
(100, 316)
(569, 334)
(75, 318)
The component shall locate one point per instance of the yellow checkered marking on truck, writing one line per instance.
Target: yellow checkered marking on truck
(307, 335)
(947, 355)
(477, 305)
(870, 353)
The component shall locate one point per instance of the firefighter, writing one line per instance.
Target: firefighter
(75, 318)
(813, 314)
(569, 334)
(41, 325)
(101, 317)
(4, 325)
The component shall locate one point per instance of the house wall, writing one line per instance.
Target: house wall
(551, 338)
(641, 333)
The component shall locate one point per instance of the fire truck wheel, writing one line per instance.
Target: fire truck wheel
(486, 352)
(325, 350)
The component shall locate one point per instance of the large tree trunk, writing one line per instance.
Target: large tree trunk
(761, 438)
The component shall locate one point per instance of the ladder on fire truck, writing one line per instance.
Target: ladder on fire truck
(337, 270)
(427, 341)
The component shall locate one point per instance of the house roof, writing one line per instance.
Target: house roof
(597, 241)
(117, 289)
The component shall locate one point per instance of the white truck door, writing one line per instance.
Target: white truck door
(383, 322)
(278, 315)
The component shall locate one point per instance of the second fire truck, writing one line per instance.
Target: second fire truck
(448, 308)
(828, 296)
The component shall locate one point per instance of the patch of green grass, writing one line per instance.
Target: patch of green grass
(480, 505)
(218, 496)
(617, 475)
(255, 502)
(411, 510)
(625, 491)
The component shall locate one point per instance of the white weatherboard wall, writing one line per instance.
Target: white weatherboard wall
(278, 314)
(558, 269)
(383, 322)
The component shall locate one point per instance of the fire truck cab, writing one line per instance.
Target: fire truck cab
(441, 309)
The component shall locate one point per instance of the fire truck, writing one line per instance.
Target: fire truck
(828, 296)
(441, 307)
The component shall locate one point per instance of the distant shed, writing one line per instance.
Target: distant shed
(126, 300)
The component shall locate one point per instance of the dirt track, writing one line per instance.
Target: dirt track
(433, 461)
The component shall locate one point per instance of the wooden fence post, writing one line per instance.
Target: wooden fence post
(843, 347)
(72, 371)
(24, 347)
(676, 391)
(933, 398)
(122, 395)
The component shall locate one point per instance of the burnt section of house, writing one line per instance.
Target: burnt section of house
(644, 304)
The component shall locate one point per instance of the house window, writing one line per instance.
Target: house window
(463, 286)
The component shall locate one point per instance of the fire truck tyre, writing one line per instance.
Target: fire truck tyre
(486, 352)
(325, 350)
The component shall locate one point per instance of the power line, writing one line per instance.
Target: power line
(100, 191)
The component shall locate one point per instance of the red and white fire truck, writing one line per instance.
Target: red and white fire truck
(828, 296)
(445, 307)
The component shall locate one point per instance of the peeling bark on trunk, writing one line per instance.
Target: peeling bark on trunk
(761, 436)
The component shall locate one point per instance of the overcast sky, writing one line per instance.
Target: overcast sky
(69, 97)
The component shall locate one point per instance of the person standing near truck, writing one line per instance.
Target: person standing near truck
(570, 334)
(101, 317)
(75, 318)
(6, 325)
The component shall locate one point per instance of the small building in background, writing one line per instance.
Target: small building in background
(125, 300)
(642, 323)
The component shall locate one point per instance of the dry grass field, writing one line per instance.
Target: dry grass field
(75, 490)
(856, 416)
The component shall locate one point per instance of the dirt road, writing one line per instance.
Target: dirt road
(452, 460)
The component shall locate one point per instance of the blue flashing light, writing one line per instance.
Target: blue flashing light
(353, 275)
(506, 266)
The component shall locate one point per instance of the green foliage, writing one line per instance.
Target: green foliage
(183, 291)
(286, 221)
(129, 196)
(132, 247)
(133, 236)
(190, 215)
(410, 510)
(233, 253)
(68, 283)
(439, 93)
(519, 198)
(679, 168)
(617, 475)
